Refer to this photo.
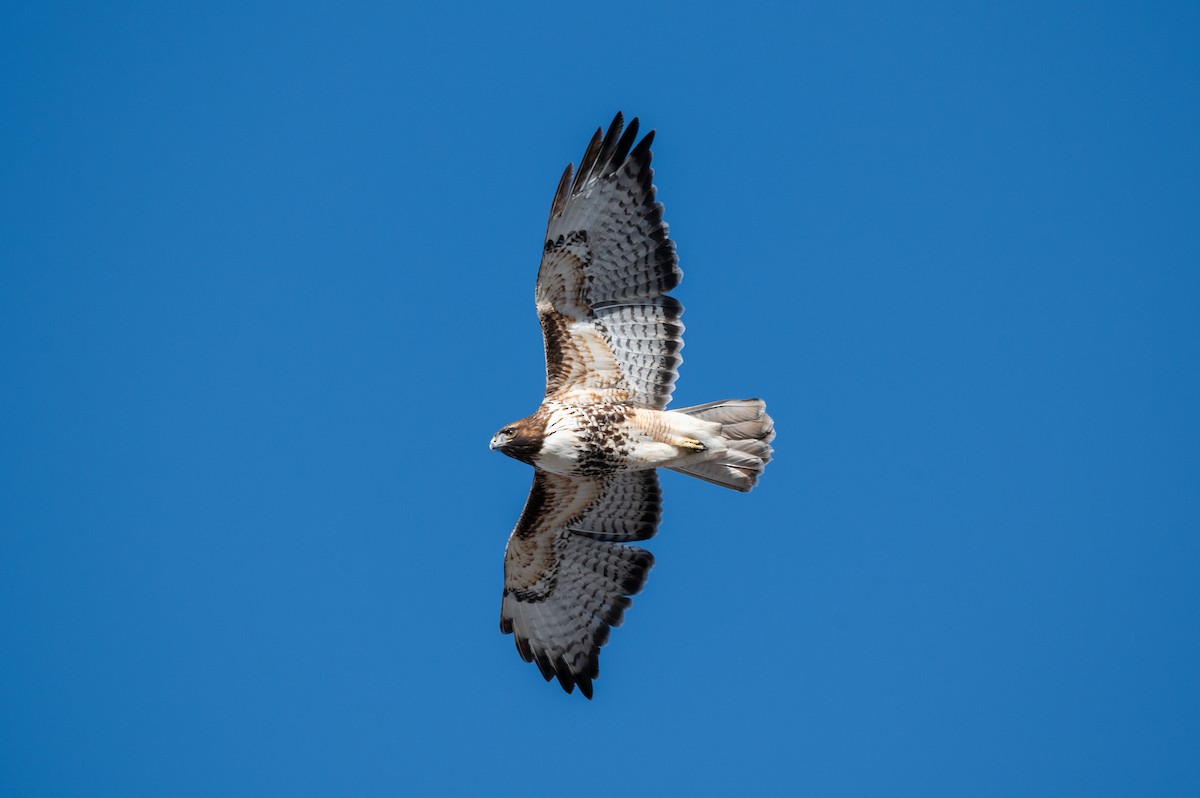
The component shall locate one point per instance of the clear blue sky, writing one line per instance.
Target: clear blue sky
(266, 279)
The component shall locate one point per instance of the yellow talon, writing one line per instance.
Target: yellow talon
(690, 443)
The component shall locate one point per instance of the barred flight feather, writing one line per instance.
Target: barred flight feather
(561, 612)
(608, 261)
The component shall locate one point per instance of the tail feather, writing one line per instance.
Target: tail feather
(748, 432)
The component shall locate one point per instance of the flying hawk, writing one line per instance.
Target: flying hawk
(612, 341)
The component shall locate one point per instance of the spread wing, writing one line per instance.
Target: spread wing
(610, 333)
(568, 574)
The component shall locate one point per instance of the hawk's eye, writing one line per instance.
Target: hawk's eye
(509, 431)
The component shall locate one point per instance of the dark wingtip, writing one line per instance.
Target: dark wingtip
(563, 192)
(641, 153)
(588, 161)
(609, 146)
(621, 150)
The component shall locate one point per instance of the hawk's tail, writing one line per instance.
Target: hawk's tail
(747, 430)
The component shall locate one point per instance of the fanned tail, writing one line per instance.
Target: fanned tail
(748, 432)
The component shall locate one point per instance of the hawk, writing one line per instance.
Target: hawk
(612, 339)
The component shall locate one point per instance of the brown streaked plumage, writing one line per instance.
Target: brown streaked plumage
(613, 339)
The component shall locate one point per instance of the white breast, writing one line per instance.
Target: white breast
(561, 444)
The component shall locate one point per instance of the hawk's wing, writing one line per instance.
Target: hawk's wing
(610, 332)
(568, 574)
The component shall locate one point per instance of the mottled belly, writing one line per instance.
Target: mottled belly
(595, 440)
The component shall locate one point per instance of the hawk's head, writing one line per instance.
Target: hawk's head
(521, 440)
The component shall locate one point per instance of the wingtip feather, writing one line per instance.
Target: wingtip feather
(562, 193)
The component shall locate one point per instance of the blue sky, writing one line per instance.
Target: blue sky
(266, 280)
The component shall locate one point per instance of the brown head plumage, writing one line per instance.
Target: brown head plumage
(521, 440)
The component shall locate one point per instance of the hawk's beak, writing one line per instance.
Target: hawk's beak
(492, 445)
